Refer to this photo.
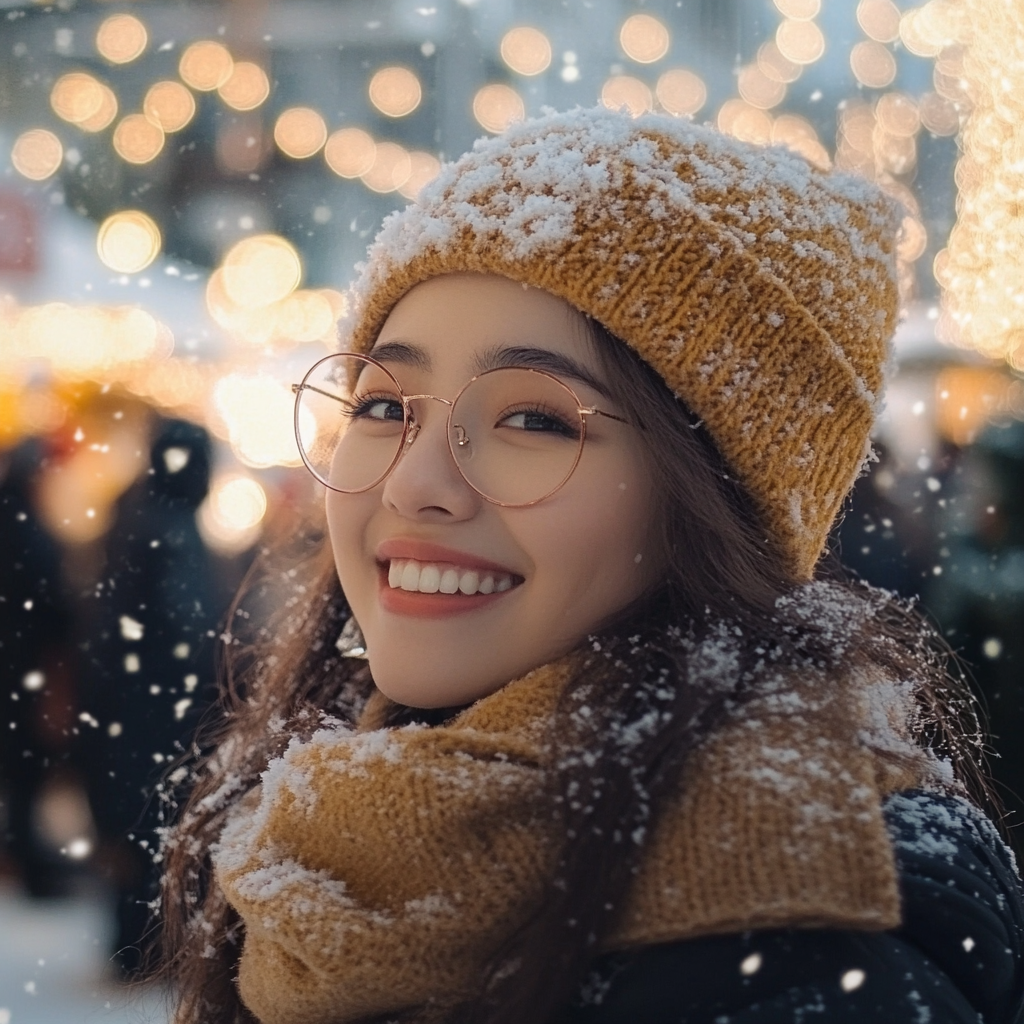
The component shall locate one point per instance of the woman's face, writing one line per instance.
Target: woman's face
(574, 560)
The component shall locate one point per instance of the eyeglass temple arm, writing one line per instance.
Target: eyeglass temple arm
(296, 388)
(591, 411)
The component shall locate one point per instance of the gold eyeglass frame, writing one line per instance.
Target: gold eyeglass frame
(411, 429)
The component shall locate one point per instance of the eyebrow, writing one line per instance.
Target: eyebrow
(497, 357)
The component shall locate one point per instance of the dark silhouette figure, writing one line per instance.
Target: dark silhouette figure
(150, 659)
(35, 673)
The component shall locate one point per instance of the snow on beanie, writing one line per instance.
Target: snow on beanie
(762, 290)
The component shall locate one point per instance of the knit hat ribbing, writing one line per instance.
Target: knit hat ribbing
(762, 290)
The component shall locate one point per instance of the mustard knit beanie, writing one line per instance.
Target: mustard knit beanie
(762, 290)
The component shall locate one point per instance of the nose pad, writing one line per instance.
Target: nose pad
(414, 432)
(462, 438)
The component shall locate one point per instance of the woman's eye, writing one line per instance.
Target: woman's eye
(375, 408)
(539, 422)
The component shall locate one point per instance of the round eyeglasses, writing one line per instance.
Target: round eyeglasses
(515, 433)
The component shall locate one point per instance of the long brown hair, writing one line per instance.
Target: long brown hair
(651, 692)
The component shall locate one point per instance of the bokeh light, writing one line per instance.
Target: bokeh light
(799, 10)
(257, 411)
(137, 140)
(390, 169)
(395, 91)
(350, 152)
(424, 168)
(873, 64)
(230, 517)
(758, 89)
(128, 241)
(526, 50)
(625, 91)
(898, 114)
(681, 92)
(775, 64)
(205, 65)
(246, 88)
(496, 106)
(121, 38)
(798, 134)
(76, 97)
(644, 38)
(104, 115)
(260, 270)
(801, 42)
(37, 154)
(300, 132)
(880, 20)
(745, 121)
(938, 114)
(169, 105)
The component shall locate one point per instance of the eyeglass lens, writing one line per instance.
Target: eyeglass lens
(515, 434)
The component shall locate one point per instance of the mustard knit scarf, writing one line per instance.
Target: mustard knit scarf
(380, 870)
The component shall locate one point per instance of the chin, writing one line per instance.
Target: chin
(406, 683)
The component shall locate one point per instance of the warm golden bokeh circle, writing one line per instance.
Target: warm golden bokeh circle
(873, 64)
(395, 91)
(880, 20)
(300, 132)
(169, 105)
(898, 114)
(390, 170)
(775, 65)
(205, 65)
(128, 241)
(681, 92)
(121, 38)
(246, 88)
(801, 42)
(496, 106)
(758, 89)
(349, 152)
(106, 113)
(644, 38)
(260, 270)
(76, 97)
(424, 169)
(137, 139)
(625, 91)
(526, 50)
(744, 121)
(939, 114)
(799, 10)
(37, 154)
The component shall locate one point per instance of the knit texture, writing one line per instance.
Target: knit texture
(761, 289)
(379, 871)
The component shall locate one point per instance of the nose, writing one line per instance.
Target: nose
(426, 484)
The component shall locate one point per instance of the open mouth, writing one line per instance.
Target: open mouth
(409, 586)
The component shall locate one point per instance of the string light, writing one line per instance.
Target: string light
(169, 105)
(246, 88)
(526, 50)
(395, 91)
(205, 65)
(644, 38)
(137, 139)
(300, 132)
(128, 241)
(260, 270)
(496, 106)
(350, 152)
(681, 92)
(121, 38)
(625, 91)
(37, 154)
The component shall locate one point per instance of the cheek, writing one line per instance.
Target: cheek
(347, 517)
(590, 550)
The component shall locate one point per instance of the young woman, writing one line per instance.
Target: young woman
(622, 750)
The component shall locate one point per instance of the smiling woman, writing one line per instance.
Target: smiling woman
(618, 743)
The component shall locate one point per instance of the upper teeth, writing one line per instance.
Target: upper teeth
(434, 577)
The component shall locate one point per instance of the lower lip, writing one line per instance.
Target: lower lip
(432, 606)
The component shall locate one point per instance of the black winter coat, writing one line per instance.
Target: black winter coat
(957, 959)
